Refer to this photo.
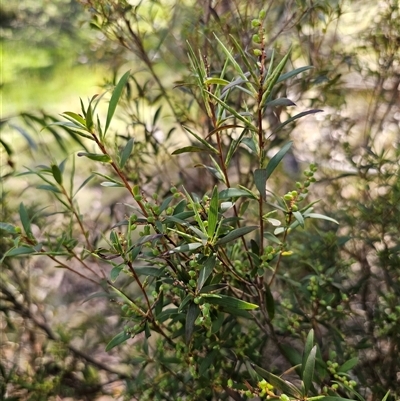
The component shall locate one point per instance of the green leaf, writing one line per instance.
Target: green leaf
(272, 238)
(207, 361)
(213, 213)
(235, 64)
(386, 396)
(250, 66)
(115, 271)
(348, 365)
(269, 302)
(96, 157)
(75, 118)
(191, 149)
(22, 250)
(26, 223)
(216, 81)
(234, 146)
(282, 101)
(260, 179)
(117, 340)
(235, 193)
(276, 159)
(56, 173)
(126, 152)
(115, 99)
(186, 247)
(10, 228)
(297, 116)
(112, 184)
(273, 78)
(149, 271)
(332, 398)
(205, 271)
(321, 217)
(308, 346)
(191, 316)
(50, 188)
(299, 217)
(89, 117)
(228, 302)
(283, 385)
(236, 233)
(83, 184)
(200, 139)
(308, 370)
(291, 74)
(233, 112)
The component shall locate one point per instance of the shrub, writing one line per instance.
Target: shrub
(229, 286)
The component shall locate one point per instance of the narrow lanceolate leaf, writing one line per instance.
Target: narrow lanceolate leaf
(191, 149)
(126, 152)
(308, 346)
(283, 385)
(50, 188)
(260, 179)
(75, 118)
(207, 361)
(238, 232)
(56, 173)
(205, 271)
(89, 118)
(348, 365)
(293, 73)
(229, 55)
(213, 213)
(308, 370)
(191, 316)
(269, 302)
(233, 112)
(216, 81)
(96, 157)
(235, 193)
(299, 217)
(229, 302)
(273, 163)
(26, 223)
(115, 99)
(200, 139)
(320, 216)
(117, 340)
(282, 101)
(22, 250)
(186, 247)
(273, 78)
(333, 398)
(297, 116)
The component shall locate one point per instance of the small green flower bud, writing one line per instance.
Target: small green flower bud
(262, 14)
(256, 38)
(255, 23)
(257, 52)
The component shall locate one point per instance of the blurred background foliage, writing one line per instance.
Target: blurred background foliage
(55, 51)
